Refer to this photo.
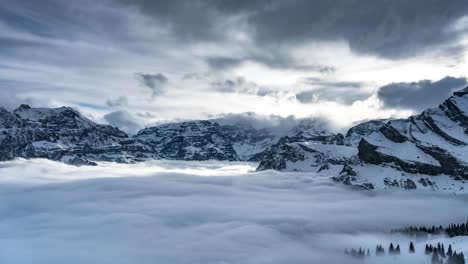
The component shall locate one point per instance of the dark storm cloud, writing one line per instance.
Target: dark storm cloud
(391, 29)
(155, 82)
(387, 28)
(419, 95)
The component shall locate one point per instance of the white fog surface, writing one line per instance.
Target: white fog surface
(202, 212)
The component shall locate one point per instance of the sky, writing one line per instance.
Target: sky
(136, 63)
(164, 212)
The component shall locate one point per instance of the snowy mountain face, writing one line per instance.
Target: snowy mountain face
(401, 153)
(249, 143)
(194, 140)
(57, 134)
(209, 140)
(64, 134)
(306, 149)
(315, 151)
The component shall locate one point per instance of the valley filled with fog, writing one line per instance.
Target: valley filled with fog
(205, 212)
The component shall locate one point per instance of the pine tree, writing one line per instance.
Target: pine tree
(391, 250)
(368, 252)
(449, 251)
(397, 249)
(411, 247)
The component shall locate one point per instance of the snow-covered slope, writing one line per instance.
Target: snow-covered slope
(306, 151)
(433, 143)
(57, 134)
(404, 153)
(316, 150)
(216, 140)
(64, 134)
(192, 140)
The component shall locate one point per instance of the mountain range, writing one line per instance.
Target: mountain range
(63, 134)
(431, 143)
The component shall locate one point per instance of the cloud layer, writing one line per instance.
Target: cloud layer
(419, 95)
(164, 212)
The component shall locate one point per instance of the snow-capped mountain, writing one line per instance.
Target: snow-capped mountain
(64, 134)
(309, 151)
(397, 153)
(407, 151)
(58, 134)
(207, 139)
(193, 140)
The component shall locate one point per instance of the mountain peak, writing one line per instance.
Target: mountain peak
(23, 106)
(461, 92)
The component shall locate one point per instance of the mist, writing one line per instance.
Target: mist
(198, 212)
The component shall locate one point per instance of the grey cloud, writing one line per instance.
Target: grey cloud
(14, 93)
(155, 82)
(390, 29)
(223, 62)
(419, 95)
(344, 92)
(279, 61)
(124, 120)
(344, 84)
(274, 123)
(387, 28)
(121, 101)
(306, 97)
(242, 86)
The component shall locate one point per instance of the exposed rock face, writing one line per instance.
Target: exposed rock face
(195, 140)
(57, 134)
(249, 143)
(307, 151)
(281, 153)
(432, 143)
(64, 134)
(354, 134)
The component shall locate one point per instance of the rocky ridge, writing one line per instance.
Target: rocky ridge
(406, 151)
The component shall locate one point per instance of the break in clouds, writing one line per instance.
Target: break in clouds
(163, 211)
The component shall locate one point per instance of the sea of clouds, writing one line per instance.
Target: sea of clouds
(200, 212)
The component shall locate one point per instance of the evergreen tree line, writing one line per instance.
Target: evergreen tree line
(452, 230)
(379, 251)
(439, 254)
(357, 253)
